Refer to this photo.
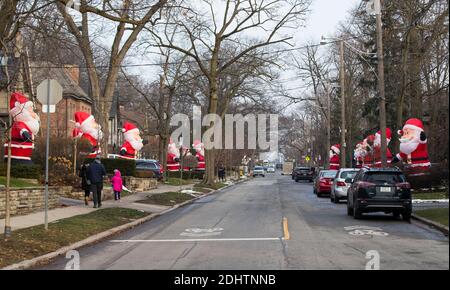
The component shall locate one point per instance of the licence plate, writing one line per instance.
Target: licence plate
(385, 189)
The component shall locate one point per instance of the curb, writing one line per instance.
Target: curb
(45, 259)
(438, 226)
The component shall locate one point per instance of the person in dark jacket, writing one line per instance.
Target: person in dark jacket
(95, 174)
(85, 184)
(222, 173)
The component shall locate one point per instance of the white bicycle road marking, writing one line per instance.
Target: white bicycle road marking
(197, 232)
(366, 230)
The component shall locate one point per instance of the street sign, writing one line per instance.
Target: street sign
(49, 93)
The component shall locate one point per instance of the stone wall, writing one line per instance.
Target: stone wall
(140, 184)
(29, 200)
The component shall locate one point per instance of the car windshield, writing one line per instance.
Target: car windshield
(258, 168)
(303, 169)
(382, 178)
(348, 174)
(329, 174)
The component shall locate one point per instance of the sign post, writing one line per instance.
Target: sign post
(49, 93)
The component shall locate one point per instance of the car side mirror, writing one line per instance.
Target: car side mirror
(349, 180)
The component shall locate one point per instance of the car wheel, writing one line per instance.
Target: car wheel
(396, 214)
(331, 198)
(357, 214)
(296, 180)
(407, 217)
(349, 210)
(336, 199)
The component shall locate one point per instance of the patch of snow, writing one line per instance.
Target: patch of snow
(430, 201)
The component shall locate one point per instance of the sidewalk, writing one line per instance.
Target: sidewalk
(76, 207)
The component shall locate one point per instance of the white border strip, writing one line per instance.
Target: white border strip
(197, 240)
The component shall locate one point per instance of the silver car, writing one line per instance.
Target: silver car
(340, 187)
(259, 170)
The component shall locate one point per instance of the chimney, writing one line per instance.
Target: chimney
(74, 72)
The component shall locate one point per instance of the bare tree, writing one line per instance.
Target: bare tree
(206, 26)
(130, 19)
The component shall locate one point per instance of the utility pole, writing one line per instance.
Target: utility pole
(342, 78)
(328, 124)
(381, 86)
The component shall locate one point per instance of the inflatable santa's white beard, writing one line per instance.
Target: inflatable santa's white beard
(24, 115)
(136, 144)
(408, 146)
(96, 133)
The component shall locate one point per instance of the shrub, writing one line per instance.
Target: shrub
(22, 171)
(125, 166)
(186, 174)
(144, 174)
(60, 173)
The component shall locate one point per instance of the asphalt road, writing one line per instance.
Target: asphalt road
(242, 228)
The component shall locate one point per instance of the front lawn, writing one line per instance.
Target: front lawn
(15, 182)
(167, 198)
(178, 181)
(32, 242)
(215, 186)
(439, 215)
(430, 195)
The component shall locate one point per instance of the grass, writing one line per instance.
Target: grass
(15, 182)
(439, 215)
(35, 241)
(430, 195)
(215, 186)
(177, 181)
(167, 198)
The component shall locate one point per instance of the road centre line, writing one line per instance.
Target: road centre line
(198, 240)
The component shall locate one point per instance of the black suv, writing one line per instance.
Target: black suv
(304, 173)
(379, 190)
(151, 166)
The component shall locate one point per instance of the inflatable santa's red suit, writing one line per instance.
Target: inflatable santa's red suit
(368, 150)
(334, 157)
(25, 126)
(133, 141)
(88, 129)
(377, 148)
(173, 157)
(413, 148)
(200, 149)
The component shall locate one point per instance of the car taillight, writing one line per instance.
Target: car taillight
(341, 183)
(403, 185)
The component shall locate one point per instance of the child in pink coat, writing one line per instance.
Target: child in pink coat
(117, 184)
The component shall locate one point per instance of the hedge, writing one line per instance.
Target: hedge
(22, 171)
(186, 174)
(125, 166)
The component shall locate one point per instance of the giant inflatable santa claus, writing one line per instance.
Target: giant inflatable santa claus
(358, 154)
(334, 157)
(133, 141)
(200, 154)
(377, 148)
(413, 147)
(173, 157)
(88, 129)
(25, 126)
(367, 146)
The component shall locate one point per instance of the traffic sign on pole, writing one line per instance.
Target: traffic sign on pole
(49, 93)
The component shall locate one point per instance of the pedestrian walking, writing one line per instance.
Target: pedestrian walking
(85, 183)
(222, 173)
(95, 174)
(117, 184)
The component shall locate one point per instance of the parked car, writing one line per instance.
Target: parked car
(259, 171)
(304, 173)
(270, 169)
(340, 187)
(323, 182)
(150, 166)
(379, 190)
